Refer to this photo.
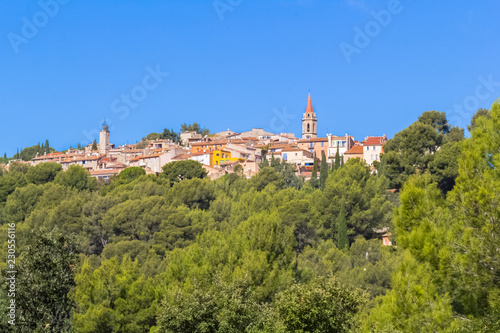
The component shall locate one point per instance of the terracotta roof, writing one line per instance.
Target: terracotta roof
(116, 166)
(198, 154)
(296, 149)
(101, 172)
(210, 143)
(182, 157)
(229, 162)
(313, 140)
(355, 150)
(309, 105)
(143, 157)
(374, 141)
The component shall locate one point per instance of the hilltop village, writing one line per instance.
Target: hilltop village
(220, 153)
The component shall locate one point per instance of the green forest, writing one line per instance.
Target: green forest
(178, 252)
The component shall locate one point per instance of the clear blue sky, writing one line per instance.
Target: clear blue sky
(238, 72)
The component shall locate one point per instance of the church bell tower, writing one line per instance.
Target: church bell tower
(309, 121)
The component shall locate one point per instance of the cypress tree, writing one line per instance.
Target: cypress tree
(79, 147)
(47, 146)
(337, 159)
(323, 175)
(342, 239)
(342, 161)
(314, 174)
(94, 145)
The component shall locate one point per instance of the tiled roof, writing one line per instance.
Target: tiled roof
(229, 162)
(143, 157)
(374, 141)
(210, 143)
(313, 140)
(355, 150)
(182, 157)
(296, 149)
(101, 172)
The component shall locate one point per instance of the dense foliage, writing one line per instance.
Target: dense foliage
(178, 252)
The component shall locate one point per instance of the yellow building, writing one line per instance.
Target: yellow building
(221, 156)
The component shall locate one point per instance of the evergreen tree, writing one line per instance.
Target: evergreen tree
(342, 239)
(45, 277)
(264, 163)
(342, 160)
(314, 174)
(337, 159)
(323, 171)
(94, 145)
(275, 162)
(79, 147)
(47, 146)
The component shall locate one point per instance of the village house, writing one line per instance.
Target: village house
(354, 152)
(203, 158)
(372, 148)
(188, 138)
(314, 145)
(343, 143)
(297, 156)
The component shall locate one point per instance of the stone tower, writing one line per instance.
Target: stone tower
(309, 121)
(104, 140)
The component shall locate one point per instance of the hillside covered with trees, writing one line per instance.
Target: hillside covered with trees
(178, 252)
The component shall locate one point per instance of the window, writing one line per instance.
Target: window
(284, 156)
(373, 148)
(322, 144)
(367, 148)
(344, 143)
(216, 154)
(311, 145)
(295, 154)
(308, 127)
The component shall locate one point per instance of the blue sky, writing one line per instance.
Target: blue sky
(240, 64)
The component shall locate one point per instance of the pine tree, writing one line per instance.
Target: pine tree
(323, 171)
(342, 239)
(94, 145)
(337, 159)
(275, 162)
(264, 163)
(79, 147)
(314, 174)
